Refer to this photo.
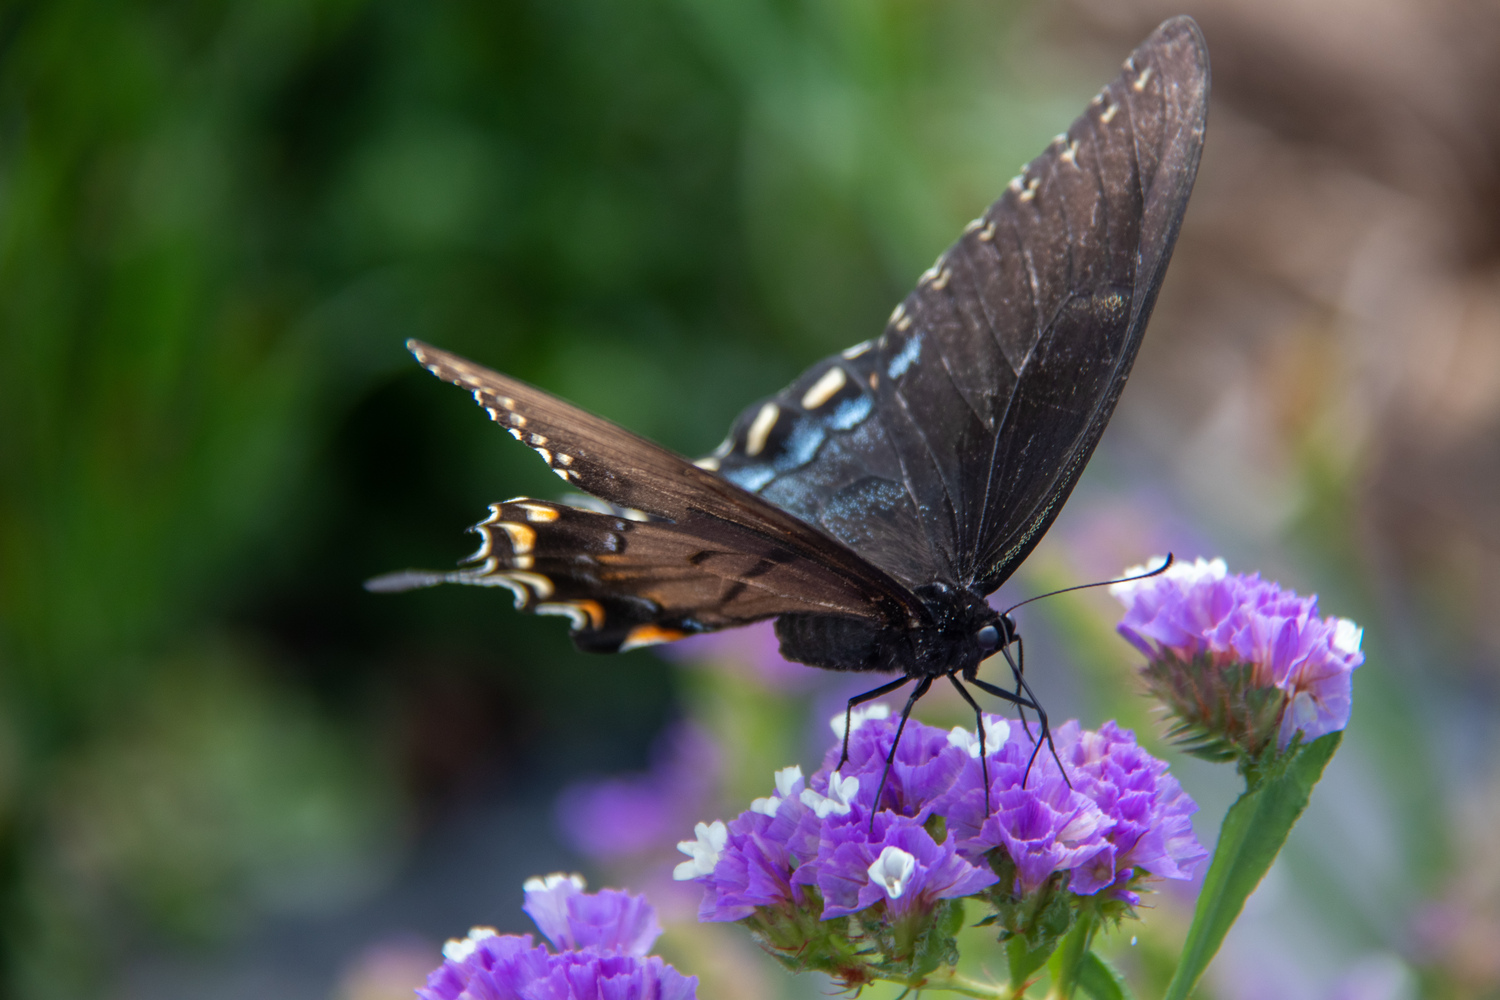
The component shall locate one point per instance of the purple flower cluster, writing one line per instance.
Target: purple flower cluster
(618, 817)
(932, 837)
(1220, 644)
(601, 941)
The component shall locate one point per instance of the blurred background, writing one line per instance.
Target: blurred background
(227, 771)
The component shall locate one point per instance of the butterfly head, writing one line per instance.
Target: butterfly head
(964, 631)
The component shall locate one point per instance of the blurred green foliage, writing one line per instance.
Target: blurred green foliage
(219, 221)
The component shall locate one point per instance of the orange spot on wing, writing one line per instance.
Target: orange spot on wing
(649, 635)
(594, 610)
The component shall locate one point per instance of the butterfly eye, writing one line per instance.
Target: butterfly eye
(989, 637)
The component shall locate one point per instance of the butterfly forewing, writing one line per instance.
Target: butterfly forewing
(993, 380)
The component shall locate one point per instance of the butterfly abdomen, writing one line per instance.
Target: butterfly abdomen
(835, 642)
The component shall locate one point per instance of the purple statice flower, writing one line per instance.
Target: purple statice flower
(610, 920)
(1123, 811)
(820, 856)
(1043, 830)
(748, 863)
(628, 815)
(1149, 825)
(601, 939)
(1036, 820)
(1240, 661)
(926, 764)
(894, 863)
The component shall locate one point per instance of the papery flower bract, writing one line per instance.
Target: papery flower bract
(1045, 828)
(609, 920)
(851, 876)
(755, 862)
(1124, 811)
(1240, 661)
(602, 940)
(925, 765)
(547, 904)
(1149, 815)
(1041, 823)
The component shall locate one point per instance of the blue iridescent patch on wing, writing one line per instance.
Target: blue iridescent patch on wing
(750, 477)
(801, 444)
(906, 358)
(850, 413)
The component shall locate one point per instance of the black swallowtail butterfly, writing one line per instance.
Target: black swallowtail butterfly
(872, 505)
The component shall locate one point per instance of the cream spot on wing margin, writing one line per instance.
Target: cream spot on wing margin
(824, 388)
(760, 428)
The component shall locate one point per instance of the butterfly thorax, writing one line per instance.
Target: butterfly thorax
(961, 630)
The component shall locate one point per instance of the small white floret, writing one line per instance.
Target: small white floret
(838, 801)
(996, 732)
(703, 852)
(1347, 636)
(766, 806)
(458, 949)
(857, 718)
(893, 870)
(787, 781)
(548, 883)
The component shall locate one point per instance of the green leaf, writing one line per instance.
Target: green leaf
(1254, 830)
(1102, 981)
(1024, 961)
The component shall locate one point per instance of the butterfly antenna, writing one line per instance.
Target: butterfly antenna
(1021, 685)
(922, 686)
(1102, 583)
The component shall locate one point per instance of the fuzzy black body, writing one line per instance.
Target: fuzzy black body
(872, 505)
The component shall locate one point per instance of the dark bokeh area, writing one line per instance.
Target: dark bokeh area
(226, 770)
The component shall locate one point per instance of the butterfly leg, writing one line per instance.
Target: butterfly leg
(1018, 671)
(921, 689)
(1029, 701)
(984, 753)
(860, 699)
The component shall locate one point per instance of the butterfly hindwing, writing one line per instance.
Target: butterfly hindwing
(686, 513)
(985, 396)
(625, 582)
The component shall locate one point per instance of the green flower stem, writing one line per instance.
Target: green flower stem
(1067, 961)
(1254, 830)
(948, 979)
